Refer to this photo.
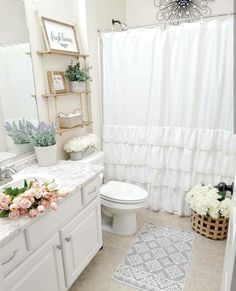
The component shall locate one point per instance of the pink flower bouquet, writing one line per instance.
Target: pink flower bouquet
(32, 199)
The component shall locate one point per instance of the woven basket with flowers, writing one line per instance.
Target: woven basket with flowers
(210, 211)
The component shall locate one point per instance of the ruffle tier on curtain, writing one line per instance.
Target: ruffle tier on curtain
(168, 161)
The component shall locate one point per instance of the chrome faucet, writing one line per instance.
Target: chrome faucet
(6, 175)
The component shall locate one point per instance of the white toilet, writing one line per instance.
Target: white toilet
(119, 201)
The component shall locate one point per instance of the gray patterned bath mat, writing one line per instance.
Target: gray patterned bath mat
(158, 260)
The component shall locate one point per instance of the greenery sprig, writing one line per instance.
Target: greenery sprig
(74, 72)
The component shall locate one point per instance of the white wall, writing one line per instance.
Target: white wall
(13, 31)
(99, 15)
(144, 11)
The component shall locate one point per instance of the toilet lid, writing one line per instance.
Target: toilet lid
(123, 192)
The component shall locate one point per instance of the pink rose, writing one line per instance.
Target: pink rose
(5, 201)
(53, 205)
(45, 203)
(27, 194)
(25, 203)
(17, 201)
(4, 206)
(22, 211)
(13, 207)
(37, 193)
(14, 214)
(31, 199)
(32, 213)
(46, 195)
(40, 208)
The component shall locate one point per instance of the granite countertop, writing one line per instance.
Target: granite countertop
(72, 175)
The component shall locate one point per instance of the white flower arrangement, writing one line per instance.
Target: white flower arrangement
(207, 201)
(81, 143)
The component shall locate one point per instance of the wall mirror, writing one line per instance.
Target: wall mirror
(17, 91)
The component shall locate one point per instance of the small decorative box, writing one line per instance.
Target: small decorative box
(69, 120)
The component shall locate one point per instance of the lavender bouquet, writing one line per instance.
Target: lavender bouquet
(20, 132)
(43, 135)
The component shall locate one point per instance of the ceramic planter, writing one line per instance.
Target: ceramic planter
(77, 87)
(20, 149)
(46, 156)
(76, 156)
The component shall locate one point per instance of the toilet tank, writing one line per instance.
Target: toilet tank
(96, 158)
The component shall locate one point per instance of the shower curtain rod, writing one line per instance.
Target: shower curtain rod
(167, 22)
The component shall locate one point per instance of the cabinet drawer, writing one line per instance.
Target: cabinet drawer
(91, 190)
(49, 223)
(12, 253)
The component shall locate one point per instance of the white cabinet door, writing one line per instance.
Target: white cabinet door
(81, 240)
(42, 271)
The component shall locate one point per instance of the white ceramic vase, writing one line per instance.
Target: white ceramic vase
(76, 156)
(46, 156)
(77, 87)
(20, 149)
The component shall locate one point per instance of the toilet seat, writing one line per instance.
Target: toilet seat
(122, 201)
(123, 193)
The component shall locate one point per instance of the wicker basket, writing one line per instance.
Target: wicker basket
(70, 120)
(209, 227)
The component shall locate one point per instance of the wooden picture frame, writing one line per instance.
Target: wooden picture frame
(59, 36)
(57, 82)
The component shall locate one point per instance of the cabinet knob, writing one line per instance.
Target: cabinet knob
(58, 247)
(68, 239)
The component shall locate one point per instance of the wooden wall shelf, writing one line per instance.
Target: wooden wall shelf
(60, 131)
(81, 95)
(68, 54)
(66, 94)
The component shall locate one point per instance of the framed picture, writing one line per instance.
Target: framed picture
(57, 82)
(59, 36)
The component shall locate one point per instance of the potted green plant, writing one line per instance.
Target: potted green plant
(43, 138)
(77, 76)
(20, 133)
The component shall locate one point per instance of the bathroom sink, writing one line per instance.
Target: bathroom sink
(18, 180)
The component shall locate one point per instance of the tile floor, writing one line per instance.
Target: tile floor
(205, 268)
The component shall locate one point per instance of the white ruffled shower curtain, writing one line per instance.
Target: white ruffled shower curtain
(168, 109)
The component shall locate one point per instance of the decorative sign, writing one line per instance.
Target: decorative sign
(59, 36)
(57, 82)
(181, 9)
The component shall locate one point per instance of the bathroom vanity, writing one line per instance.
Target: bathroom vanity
(50, 252)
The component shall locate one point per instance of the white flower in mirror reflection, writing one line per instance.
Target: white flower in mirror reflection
(181, 9)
